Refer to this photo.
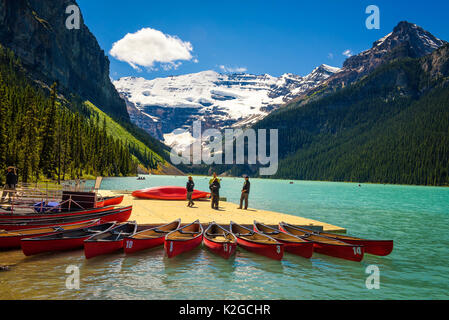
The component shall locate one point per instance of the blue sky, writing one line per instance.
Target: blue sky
(273, 37)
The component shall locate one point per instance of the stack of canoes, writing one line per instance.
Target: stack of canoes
(12, 239)
(54, 207)
(105, 214)
(103, 235)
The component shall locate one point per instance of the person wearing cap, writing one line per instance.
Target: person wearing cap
(190, 185)
(10, 186)
(214, 186)
(245, 193)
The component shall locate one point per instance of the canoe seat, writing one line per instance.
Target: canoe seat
(245, 234)
(180, 237)
(221, 238)
(187, 232)
(93, 231)
(214, 234)
(272, 233)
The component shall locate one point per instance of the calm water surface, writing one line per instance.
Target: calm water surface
(416, 218)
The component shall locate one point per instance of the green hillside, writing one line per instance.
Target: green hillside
(391, 127)
(143, 153)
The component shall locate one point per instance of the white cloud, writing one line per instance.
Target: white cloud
(233, 70)
(347, 53)
(330, 55)
(148, 46)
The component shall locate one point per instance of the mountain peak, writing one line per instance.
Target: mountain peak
(406, 40)
(327, 68)
(420, 41)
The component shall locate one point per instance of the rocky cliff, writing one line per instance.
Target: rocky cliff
(36, 31)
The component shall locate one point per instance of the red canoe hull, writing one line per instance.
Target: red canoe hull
(14, 242)
(168, 193)
(352, 253)
(30, 248)
(5, 217)
(272, 251)
(304, 249)
(132, 245)
(118, 216)
(375, 247)
(110, 202)
(174, 247)
(94, 248)
(347, 252)
(224, 250)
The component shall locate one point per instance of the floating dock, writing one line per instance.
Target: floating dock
(156, 212)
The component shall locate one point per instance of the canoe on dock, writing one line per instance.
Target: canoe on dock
(62, 241)
(34, 216)
(168, 193)
(119, 215)
(219, 240)
(11, 239)
(325, 245)
(110, 201)
(184, 239)
(257, 242)
(292, 244)
(150, 237)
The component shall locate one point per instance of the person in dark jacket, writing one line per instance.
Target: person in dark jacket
(190, 185)
(10, 186)
(245, 193)
(214, 187)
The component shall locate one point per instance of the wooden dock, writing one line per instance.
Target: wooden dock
(155, 212)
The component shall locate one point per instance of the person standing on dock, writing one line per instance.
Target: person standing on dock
(10, 186)
(190, 185)
(214, 186)
(245, 193)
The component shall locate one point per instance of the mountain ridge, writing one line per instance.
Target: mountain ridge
(219, 100)
(406, 40)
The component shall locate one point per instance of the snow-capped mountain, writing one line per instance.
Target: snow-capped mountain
(163, 105)
(407, 40)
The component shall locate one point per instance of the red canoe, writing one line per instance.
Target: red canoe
(149, 238)
(327, 246)
(257, 242)
(183, 239)
(292, 244)
(30, 216)
(108, 241)
(119, 215)
(110, 201)
(375, 247)
(220, 241)
(62, 241)
(168, 193)
(11, 239)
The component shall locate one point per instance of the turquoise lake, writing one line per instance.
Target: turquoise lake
(416, 218)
